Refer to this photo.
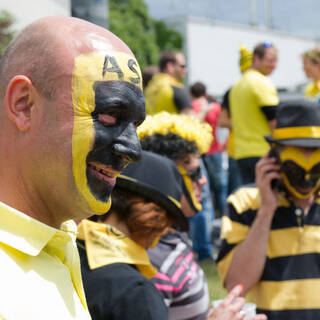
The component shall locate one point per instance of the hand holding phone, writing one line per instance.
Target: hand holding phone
(273, 153)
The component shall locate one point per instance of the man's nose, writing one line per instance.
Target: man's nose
(127, 145)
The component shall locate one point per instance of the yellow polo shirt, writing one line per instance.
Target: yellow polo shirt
(40, 275)
(249, 124)
(160, 94)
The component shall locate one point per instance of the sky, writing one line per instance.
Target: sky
(299, 17)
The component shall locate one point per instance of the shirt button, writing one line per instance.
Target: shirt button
(298, 212)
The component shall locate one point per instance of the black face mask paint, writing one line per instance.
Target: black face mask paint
(117, 144)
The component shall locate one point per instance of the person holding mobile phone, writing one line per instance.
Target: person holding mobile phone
(271, 231)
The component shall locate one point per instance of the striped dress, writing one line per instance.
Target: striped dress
(290, 283)
(180, 279)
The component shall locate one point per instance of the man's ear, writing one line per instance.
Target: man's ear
(170, 67)
(19, 101)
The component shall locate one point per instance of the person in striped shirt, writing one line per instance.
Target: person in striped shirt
(271, 231)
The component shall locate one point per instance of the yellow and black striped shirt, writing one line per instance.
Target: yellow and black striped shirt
(290, 282)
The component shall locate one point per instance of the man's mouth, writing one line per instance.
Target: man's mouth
(304, 190)
(103, 172)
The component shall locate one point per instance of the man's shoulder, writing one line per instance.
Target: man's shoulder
(245, 198)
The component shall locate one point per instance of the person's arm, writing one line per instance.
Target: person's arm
(250, 255)
(270, 114)
(224, 119)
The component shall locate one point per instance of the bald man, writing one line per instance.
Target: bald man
(70, 100)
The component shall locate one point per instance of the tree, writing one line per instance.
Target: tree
(6, 35)
(129, 20)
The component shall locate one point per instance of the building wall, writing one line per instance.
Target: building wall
(212, 51)
(27, 11)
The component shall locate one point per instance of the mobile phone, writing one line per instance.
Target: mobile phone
(275, 183)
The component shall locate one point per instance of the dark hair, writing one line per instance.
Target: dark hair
(198, 89)
(147, 74)
(166, 57)
(170, 145)
(260, 49)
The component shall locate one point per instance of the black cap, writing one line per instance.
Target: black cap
(298, 124)
(157, 179)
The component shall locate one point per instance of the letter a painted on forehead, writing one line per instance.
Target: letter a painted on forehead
(114, 67)
(121, 66)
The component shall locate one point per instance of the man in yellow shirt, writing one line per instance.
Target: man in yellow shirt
(70, 100)
(165, 91)
(252, 103)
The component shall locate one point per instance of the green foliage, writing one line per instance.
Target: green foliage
(216, 290)
(167, 39)
(6, 34)
(130, 21)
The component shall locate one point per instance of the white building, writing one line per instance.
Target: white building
(212, 50)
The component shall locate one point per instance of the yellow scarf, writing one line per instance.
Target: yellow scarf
(106, 245)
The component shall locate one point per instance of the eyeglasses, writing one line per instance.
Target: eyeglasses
(195, 175)
(183, 66)
(267, 44)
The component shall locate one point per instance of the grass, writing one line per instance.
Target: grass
(214, 283)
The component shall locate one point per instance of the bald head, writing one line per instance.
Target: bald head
(70, 100)
(45, 50)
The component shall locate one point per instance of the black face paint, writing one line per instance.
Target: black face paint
(297, 175)
(195, 175)
(117, 144)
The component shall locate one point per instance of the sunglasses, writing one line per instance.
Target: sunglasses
(299, 177)
(195, 175)
(183, 66)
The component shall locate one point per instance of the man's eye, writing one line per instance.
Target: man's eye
(107, 119)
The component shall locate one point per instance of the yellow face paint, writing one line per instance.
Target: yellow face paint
(190, 193)
(88, 69)
(299, 170)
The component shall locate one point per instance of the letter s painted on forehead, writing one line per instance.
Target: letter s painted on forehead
(114, 68)
(88, 69)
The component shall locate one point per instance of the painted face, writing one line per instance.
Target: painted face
(300, 169)
(193, 179)
(108, 106)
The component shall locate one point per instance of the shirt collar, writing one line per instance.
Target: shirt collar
(24, 233)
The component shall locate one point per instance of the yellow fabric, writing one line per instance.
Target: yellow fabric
(159, 94)
(249, 124)
(297, 294)
(307, 163)
(188, 184)
(106, 245)
(312, 90)
(245, 58)
(230, 145)
(40, 269)
(296, 133)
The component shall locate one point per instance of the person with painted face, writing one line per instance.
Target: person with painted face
(115, 264)
(271, 232)
(70, 100)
